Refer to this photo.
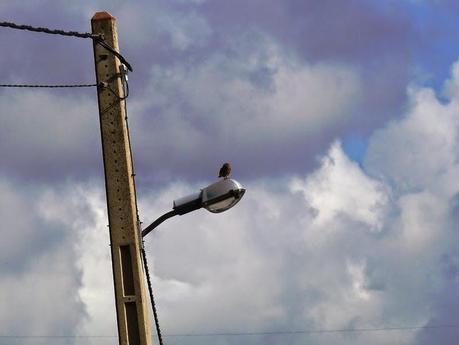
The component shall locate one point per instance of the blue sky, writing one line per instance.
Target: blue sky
(340, 118)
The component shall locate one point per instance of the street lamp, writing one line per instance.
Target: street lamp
(217, 197)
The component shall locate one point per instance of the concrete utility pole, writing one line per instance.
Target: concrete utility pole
(131, 307)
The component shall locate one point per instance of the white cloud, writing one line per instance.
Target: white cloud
(43, 300)
(334, 249)
(420, 150)
(94, 260)
(292, 99)
(273, 262)
(340, 187)
(39, 285)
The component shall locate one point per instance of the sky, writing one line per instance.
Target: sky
(340, 118)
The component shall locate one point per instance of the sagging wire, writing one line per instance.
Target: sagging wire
(104, 44)
(125, 82)
(97, 38)
(150, 290)
(124, 78)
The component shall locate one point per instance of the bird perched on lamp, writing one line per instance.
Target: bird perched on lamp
(225, 170)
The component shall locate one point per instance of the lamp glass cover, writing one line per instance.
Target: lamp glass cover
(222, 205)
(222, 195)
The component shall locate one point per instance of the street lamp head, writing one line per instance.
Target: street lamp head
(222, 195)
(217, 197)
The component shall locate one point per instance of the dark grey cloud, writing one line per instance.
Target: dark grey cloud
(445, 309)
(47, 136)
(379, 43)
(185, 36)
(332, 30)
(39, 58)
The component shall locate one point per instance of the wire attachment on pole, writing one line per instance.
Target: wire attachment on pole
(98, 38)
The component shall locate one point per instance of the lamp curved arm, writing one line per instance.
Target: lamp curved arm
(158, 221)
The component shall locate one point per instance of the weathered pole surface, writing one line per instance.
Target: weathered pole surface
(125, 239)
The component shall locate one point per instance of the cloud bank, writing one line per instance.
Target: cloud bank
(319, 242)
(346, 246)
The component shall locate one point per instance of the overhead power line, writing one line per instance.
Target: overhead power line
(45, 86)
(313, 331)
(51, 31)
(54, 336)
(99, 39)
(231, 334)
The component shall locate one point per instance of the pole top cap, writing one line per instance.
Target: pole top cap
(102, 16)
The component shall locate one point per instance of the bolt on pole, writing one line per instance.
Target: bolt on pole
(125, 238)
